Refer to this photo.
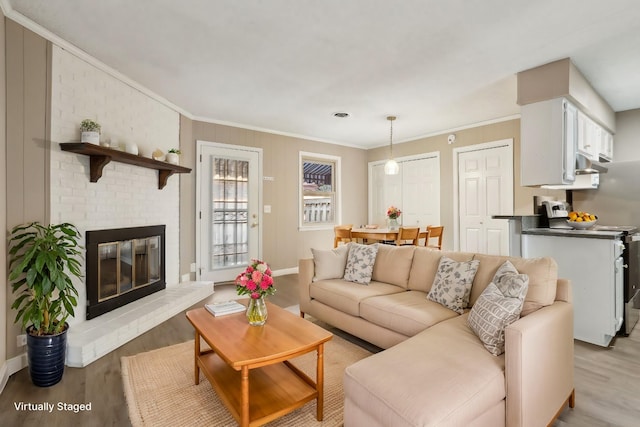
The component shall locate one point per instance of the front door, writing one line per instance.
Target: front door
(228, 232)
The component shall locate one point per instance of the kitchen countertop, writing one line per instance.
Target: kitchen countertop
(565, 232)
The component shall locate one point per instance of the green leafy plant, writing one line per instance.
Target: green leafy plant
(88, 125)
(42, 261)
(174, 150)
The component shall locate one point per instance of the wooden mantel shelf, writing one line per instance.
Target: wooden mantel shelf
(101, 156)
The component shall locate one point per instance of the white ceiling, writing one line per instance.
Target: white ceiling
(287, 65)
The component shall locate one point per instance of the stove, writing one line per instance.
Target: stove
(631, 273)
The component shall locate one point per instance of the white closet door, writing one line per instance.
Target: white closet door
(485, 188)
(421, 192)
(415, 190)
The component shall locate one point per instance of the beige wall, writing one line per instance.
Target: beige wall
(626, 141)
(523, 196)
(283, 244)
(3, 202)
(27, 150)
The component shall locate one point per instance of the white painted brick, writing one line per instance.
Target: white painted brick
(125, 195)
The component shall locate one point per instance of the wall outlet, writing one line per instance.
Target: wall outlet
(21, 340)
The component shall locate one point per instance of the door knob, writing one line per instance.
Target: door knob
(254, 224)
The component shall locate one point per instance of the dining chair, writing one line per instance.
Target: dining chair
(408, 234)
(342, 234)
(434, 232)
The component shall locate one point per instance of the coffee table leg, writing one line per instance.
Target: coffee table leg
(320, 382)
(244, 415)
(195, 358)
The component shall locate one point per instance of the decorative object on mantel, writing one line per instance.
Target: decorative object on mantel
(131, 148)
(256, 281)
(391, 167)
(393, 214)
(173, 156)
(43, 260)
(158, 154)
(90, 131)
(101, 156)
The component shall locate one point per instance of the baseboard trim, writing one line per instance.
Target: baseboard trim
(10, 367)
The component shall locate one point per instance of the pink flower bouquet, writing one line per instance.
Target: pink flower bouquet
(393, 212)
(256, 280)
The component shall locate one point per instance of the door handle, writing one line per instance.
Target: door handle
(254, 224)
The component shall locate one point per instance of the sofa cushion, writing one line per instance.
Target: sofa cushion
(346, 296)
(407, 312)
(425, 265)
(498, 306)
(543, 279)
(330, 264)
(360, 262)
(453, 381)
(393, 264)
(452, 285)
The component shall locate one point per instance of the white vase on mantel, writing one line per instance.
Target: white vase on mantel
(90, 137)
(172, 158)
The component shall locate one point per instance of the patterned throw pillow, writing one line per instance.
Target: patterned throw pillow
(330, 264)
(452, 284)
(360, 263)
(498, 306)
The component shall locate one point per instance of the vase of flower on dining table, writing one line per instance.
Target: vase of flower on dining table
(257, 282)
(393, 213)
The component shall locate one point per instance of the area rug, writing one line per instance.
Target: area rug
(159, 388)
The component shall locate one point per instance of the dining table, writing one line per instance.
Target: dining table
(380, 234)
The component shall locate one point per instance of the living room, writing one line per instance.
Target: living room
(47, 85)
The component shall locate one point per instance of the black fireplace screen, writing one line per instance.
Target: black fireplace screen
(123, 265)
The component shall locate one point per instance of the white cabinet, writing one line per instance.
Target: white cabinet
(605, 145)
(594, 141)
(595, 269)
(549, 131)
(587, 143)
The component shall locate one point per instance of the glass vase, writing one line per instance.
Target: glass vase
(257, 311)
(393, 224)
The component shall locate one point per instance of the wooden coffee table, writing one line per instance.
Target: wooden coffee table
(249, 368)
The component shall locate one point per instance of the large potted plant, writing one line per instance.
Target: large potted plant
(42, 262)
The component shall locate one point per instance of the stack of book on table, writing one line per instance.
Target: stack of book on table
(225, 307)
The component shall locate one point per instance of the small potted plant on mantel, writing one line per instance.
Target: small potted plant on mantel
(173, 156)
(90, 131)
(42, 261)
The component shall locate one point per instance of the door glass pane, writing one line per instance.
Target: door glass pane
(230, 203)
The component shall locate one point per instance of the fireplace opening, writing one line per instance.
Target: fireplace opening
(123, 265)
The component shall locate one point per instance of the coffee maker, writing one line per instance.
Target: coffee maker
(555, 213)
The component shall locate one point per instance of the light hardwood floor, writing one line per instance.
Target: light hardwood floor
(607, 379)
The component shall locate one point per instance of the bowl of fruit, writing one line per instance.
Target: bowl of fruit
(581, 220)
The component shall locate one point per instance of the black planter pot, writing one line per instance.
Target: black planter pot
(46, 355)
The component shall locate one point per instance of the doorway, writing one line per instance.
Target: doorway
(229, 194)
(483, 177)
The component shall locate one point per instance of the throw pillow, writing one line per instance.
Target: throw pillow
(330, 264)
(360, 263)
(452, 284)
(498, 306)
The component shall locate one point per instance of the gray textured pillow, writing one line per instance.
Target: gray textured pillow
(498, 306)
(330, 264)
(360, 263)
(452, 284)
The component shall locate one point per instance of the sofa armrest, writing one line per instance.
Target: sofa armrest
(539, 365)
(305, 277)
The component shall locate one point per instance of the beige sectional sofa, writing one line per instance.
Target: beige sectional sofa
(435, 371)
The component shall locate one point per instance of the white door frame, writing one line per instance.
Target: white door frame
(456, 198)
(199, 145)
